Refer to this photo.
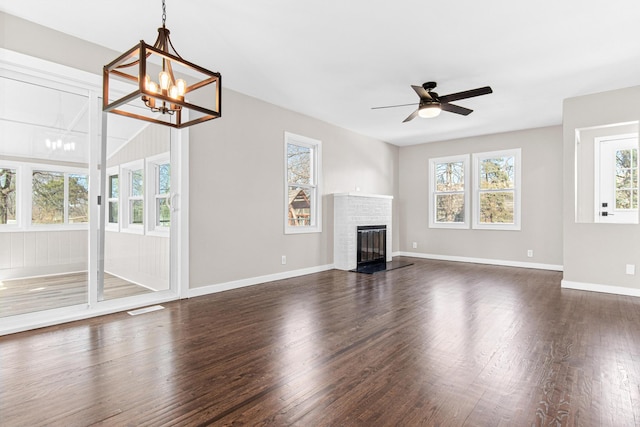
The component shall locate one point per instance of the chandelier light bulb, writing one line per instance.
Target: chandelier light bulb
(164, 79)
(182, 87)
(173, 92)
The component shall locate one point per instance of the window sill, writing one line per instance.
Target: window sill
(302, 230)
(133, 230)
(450, 225)
(36, 228)
(499, 227)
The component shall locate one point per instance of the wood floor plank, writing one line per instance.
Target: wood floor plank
(436, 343)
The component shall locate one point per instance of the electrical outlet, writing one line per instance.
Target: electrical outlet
(631, 269)
(415, 245)
(284, 259)
(530, 253)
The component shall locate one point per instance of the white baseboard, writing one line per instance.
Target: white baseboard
(594, 287)
(132, 281)
(505, 263)
(220, 287)
(42, 271)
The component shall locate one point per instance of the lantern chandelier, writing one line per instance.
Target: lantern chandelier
(163, 101)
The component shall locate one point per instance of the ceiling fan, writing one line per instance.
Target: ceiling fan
(431, 104)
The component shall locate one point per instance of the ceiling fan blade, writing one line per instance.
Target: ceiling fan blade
(411, 116)
(455, 109)
(466, 94)
(422, 93)
(393, 106)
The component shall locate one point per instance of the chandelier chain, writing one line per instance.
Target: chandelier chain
(164, 13)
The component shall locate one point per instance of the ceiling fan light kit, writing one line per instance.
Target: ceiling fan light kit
(430, 110)
(431, 104)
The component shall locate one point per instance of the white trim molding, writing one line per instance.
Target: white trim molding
(220, 287)
(595, 287)
(504, 263)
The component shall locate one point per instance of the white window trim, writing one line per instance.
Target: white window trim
(316, 199)
(517, 189)
(125, 196)
(151, 194)
(464, 158)
(21, 214)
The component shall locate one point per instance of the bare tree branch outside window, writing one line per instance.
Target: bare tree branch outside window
(7, 196)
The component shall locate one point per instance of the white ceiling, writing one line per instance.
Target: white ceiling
(335, 59)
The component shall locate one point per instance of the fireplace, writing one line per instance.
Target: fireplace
(353, 210)
(358, 244)
(372, 246)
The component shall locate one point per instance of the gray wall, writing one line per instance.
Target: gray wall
(237, 189)
(541, 200)
(35, 40)
(597, 253)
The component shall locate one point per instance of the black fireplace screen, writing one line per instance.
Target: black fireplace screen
(372, 244)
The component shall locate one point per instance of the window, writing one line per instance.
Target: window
(43, 196)
(47, 198)
(139, 196)
(136, 196)
(131, 189)
(626, 181)
(78, 198)
(59, 198)
(113, 198)
(8, 196)
(302, 191)
(159, 190)
(449, 207)
(496, 203)
(163, 185)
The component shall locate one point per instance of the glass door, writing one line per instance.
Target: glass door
(617, 200)
(61, 256)
(137, 209)
(44, 193)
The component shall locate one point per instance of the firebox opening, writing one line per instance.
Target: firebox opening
(372, 246)
(372, 250)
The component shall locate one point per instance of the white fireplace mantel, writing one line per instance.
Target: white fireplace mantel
(351, 210)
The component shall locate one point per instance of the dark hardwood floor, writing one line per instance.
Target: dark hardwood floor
(436, 343)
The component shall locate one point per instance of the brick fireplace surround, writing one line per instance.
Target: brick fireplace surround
(351, 210)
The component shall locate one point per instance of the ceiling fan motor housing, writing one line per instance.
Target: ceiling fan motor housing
(429, 85)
